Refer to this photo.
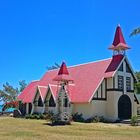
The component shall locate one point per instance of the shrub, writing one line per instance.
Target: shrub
(134, 121)
(27, 116)
(89, 120)
(54, 118)
(42, 116)
(78, 117)
(35, 116)
(97, 119)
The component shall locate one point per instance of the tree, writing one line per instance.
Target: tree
(9, 93)
(55, 66)
(22, 85)
(135, 32)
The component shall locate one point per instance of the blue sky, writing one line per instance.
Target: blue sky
(35, 34)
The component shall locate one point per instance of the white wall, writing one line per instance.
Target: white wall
(90, 109)
(38, 109)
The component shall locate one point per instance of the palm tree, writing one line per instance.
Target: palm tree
(136, 31)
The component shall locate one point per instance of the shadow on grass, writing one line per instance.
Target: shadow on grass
(56, 124)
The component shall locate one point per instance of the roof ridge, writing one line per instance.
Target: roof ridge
(35, 81)
(52, 85)
(83, 64)
(90, 62)
(43, 86)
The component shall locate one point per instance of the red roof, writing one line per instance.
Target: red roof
(43, 91)
(113, 65)
(119, 41)
(87, 78)
(29, 92)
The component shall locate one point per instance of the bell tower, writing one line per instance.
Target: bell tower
(119, 45)
(63, 79)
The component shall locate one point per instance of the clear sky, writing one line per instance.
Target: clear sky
(35, 34)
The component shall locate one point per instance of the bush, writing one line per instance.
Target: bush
(134, 121)
(27, 116)
(42, 116)
(36, 116)
(78, 117)
(95, 119)
(56, 120)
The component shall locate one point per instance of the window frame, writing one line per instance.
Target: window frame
(128, 83)
(120, 82)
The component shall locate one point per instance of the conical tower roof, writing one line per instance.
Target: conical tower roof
(63, 74)
(63, 69)
(119, 41)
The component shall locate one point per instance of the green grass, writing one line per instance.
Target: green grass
(22, 129)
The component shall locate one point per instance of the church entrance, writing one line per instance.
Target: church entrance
(124, 107)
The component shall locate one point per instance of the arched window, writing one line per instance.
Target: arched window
(40, 103)
(51, 102)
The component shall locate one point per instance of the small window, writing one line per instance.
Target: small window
(40, 103)
(128, 83)
(120, 82)
(51, 102)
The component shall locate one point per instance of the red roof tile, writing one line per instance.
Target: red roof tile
(87, 78)
(29, 92)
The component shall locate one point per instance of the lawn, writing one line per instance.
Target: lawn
(22, 129)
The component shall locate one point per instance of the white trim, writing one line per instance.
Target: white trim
(41, 94)
(118, 67)
(60, 86)
(33, 107)
(131, 69)
(52, 92)
(43, 86)
(34, 81)
(96, 89)
(52, 85)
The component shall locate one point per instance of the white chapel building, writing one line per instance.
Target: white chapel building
(101, 88)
